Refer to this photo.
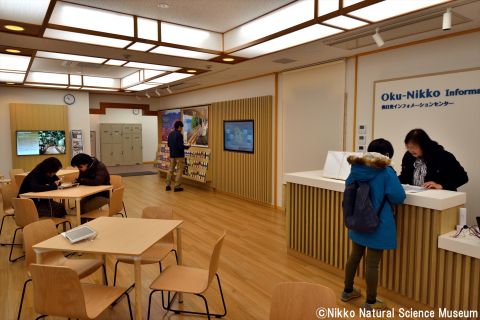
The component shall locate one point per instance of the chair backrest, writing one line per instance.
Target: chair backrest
(163, 213)
(14, 172)
(116, 181)
(116, 201)
(38, 232)
(70, 168)
(215, 259)
(57, 292)
(69, 177)
(25, 211)
(300, 301)
(9, 191)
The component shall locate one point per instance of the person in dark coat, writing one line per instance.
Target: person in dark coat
(43, 178)
(92, 173)
(428, 164)
(375, 168)
(177, 157)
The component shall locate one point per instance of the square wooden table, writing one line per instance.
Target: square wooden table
(120, 236)
(77, 193)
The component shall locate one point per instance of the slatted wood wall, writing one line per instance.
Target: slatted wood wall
(244, 174)
(24, 117)
(416, 269)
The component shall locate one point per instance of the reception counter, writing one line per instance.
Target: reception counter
(418, 268)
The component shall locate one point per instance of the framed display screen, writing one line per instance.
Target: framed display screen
(238, 136)
(40, 142)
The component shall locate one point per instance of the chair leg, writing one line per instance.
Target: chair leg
(120, 214)
(129, 305)
(160, 264)
(41, 317)
(1, 228)
(115, 274)
(176, 257)
(21, 301)
(124, 210)
(105, 274)
(206, 305)
(11, 248)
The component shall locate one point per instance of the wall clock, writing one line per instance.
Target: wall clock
(136, 111)
(69, 99)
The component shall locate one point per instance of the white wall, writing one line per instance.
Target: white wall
(448, 54)
(77, 115)
(149, 128)
(96, 98)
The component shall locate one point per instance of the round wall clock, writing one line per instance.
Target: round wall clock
(69, 99)
(136, 111)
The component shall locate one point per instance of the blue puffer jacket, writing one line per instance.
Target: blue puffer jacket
(382, 179)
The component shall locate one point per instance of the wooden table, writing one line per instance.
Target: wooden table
(77, 193)
(119, 236)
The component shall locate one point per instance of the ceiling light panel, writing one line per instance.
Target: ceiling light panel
(12, 77)
(289, 40)
(14, 62)
(28, 11)
(101, 82)
(115, 62)
(72, 15)
(391, 8)
(143, 86)
(85, 38)
(147, 29)
(45, 85)
(131, 79)
(45, 77)
(345, 22)
(327, 6)
(183, 53)
(100, 89)
(348, 3)
(151, 73)
(191, 37)
(69, 57)
(172, 77)
(281, 19)
(150, 66)
(75, 80)
(139, 46)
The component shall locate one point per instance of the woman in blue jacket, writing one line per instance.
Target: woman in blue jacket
(374, 167)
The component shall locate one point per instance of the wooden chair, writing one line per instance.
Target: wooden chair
(40, 231)
(9, 191)
(161, 249)
(115, 207)
(26, 213)
(300, 301)
(14, 172)
(116, 182)
(69, 298)
(68, 179)
(189, 280)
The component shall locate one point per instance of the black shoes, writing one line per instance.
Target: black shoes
(168, 188)
(177, 189)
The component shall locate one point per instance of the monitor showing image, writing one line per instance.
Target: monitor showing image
(40, 142)
(238, 136)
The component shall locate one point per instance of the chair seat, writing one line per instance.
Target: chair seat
(100, 298)
(57, 221)
(95, 214)
(9, 212)
(83, 267)
(154, 254)
(181, 279)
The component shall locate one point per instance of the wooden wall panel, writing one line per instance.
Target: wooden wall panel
(417, 269)
(244, 174)
(25, 117)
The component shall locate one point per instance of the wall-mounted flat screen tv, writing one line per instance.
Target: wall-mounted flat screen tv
(40, 142)
(238, 135)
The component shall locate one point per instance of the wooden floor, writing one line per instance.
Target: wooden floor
(253, 260)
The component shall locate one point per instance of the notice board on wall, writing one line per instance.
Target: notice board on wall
(445, 105)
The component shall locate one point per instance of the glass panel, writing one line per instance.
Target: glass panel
(150, 66)
(69, 57)
(101, 82)
(147, 29)
(85, 38)
(75, 80)
(143, 86)
(183, 53)
(345, 22)
(28, 11)
(12, 62)
(327, 6)
(138, 46)
(45, 77)
(113, 62)
(12, 77)
(45, 85)
(172, 77)
(131, 79)
(191, 37)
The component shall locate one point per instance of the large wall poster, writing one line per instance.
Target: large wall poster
(169, 117)
(195, 126)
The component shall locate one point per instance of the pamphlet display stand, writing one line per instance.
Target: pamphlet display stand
(77, 142)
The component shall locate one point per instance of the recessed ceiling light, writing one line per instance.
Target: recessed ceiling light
(14, 28)
(128, 91)
(164, 5)
(13, 51)
(10, 82)
(192, 71)
(228, 59)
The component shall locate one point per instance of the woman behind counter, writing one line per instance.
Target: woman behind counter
(427, 164)
(43, 178)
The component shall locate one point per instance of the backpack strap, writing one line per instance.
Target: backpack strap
(382, 205)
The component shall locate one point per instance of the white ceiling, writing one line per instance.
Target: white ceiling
(220, 15)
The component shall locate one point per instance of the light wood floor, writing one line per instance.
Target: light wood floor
(253, 260)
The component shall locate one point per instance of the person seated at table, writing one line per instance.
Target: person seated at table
(44, 178)
(92, 173)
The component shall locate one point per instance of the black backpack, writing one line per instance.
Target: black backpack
(358, 210)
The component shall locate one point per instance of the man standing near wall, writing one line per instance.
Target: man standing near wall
(177, 156)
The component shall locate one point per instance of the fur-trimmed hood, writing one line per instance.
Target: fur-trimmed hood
(371, 159)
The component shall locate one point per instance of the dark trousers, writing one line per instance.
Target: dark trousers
(371, 273)
(51, 209)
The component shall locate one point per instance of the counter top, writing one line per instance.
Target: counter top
(431, 199)
(468, 245)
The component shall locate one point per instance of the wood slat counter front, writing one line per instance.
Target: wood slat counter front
(417, 269)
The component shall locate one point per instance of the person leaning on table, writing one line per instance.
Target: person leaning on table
(92, 173)
(177, 156)
(427, 164)
(43, 178)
